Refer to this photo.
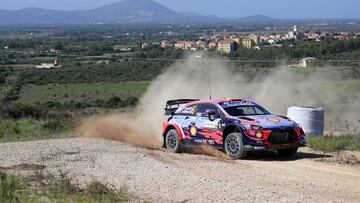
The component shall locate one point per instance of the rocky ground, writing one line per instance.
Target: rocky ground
(159, 176)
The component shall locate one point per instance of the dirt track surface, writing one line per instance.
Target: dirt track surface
(164, 177)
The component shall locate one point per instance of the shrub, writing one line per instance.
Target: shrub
(59, 122)
(47, 188)
(9, 188)
(20, 130)
(62, 187)
(20, 111)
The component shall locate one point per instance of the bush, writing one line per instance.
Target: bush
(21, 130)
(62, 187)
(59, 122)
(47, 188)
(101, 192)
(9, 188)
(20, 111)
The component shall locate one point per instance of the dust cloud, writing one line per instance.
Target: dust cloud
(276, 89)
(117, 127)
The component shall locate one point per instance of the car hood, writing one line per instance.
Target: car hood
(268, 121)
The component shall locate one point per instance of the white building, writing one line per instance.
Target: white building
(291, 35)
(49, 65)
(305, 62)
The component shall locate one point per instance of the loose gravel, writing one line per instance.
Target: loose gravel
(160, 176)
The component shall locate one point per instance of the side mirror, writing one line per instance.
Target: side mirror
(212, 115)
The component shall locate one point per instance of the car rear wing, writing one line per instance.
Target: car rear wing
(173, 105)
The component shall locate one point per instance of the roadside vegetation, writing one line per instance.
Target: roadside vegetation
(22, 123)
(47, 188)
(334, 143)
(330, 142)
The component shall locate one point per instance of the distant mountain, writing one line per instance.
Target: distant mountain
(38, 16)
(257, 18)
(132, 11)
(126, 11)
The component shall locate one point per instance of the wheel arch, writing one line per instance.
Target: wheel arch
(172, 126)
(231, 129)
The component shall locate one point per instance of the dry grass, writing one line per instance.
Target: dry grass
(48, 188)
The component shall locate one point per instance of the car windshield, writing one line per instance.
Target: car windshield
(246, 111)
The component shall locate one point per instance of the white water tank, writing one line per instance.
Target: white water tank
(310, 119)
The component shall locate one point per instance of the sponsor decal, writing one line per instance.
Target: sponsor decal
(274, 120)
(187, 110)
(210, 125)
(204, 141)
(193, 110)
(219, 125)
(213, 124)
(237, 103)
(193, 131)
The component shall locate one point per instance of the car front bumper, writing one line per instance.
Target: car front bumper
(301, 143)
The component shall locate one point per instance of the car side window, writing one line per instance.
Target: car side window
(189, 111)
(204, 109)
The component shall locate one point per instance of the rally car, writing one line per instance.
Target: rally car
(235, 126)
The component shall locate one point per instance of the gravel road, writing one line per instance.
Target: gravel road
(159, 176)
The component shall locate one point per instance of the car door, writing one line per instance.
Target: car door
(187, 120)
(208, 131)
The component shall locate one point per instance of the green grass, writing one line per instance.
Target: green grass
(9, 187)
(332, 143)
(25, 129)
(31, 94)
(4, 90)
(60, 190)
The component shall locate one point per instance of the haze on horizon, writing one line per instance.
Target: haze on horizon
(221, 8)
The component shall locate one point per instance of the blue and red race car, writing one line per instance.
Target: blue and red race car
(233, 125)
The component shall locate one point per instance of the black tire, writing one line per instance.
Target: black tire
(234, 146)
(287, 152)
(172, 141)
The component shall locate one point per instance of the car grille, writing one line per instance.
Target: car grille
(282, 137)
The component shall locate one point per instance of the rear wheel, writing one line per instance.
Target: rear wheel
(172, 141)
(234, 146)
(287, 152)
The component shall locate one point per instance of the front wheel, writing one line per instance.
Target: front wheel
(234, 146)
(172, 141)
(287, 152)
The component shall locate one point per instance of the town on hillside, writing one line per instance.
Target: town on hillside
(227, 43)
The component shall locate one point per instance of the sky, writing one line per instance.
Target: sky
(221, 8)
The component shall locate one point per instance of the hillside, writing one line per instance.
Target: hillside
(131, 10)
(126, 11)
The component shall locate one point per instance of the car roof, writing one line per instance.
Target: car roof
(217, 102)
(220, 101)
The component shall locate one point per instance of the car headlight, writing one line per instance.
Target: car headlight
(252, 127)
(259, 135)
